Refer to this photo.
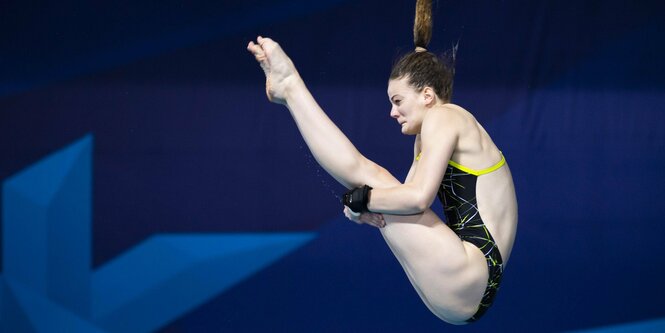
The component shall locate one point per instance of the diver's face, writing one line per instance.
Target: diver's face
(408, 105)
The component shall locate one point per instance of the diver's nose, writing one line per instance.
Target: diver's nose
(393, 112)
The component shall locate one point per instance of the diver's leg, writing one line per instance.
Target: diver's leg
(449, 275)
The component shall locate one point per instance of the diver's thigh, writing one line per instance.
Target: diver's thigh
(450, 275)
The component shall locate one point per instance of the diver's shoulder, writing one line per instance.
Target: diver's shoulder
(456, 109)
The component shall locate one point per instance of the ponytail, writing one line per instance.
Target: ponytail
(423, 68)
(422, 26)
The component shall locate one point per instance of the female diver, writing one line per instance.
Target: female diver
(456, 267)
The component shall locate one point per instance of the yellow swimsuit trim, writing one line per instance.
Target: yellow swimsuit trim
(474, 171)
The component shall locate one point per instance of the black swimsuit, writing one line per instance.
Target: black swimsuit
(458, 196)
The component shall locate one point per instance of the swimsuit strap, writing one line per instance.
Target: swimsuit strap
(479, 172)
(474, 171)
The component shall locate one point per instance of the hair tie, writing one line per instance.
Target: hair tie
(420, 49)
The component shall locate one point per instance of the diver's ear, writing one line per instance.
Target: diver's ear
(429, 95)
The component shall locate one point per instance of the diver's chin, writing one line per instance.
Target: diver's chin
(406, 130)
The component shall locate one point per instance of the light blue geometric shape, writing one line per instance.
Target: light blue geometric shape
(48, 284)
(47, 316)
(46, 211)
(655, 325)
(167, 276)
(12, 318)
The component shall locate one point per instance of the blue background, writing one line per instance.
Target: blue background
(186, 142)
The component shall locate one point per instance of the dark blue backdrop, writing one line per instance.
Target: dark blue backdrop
(185, 142)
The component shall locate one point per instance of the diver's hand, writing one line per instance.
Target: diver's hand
(373, 219)
(281, 74)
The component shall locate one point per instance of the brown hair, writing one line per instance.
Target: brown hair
(423, 68)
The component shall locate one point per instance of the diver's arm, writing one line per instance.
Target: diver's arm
(439, 138)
